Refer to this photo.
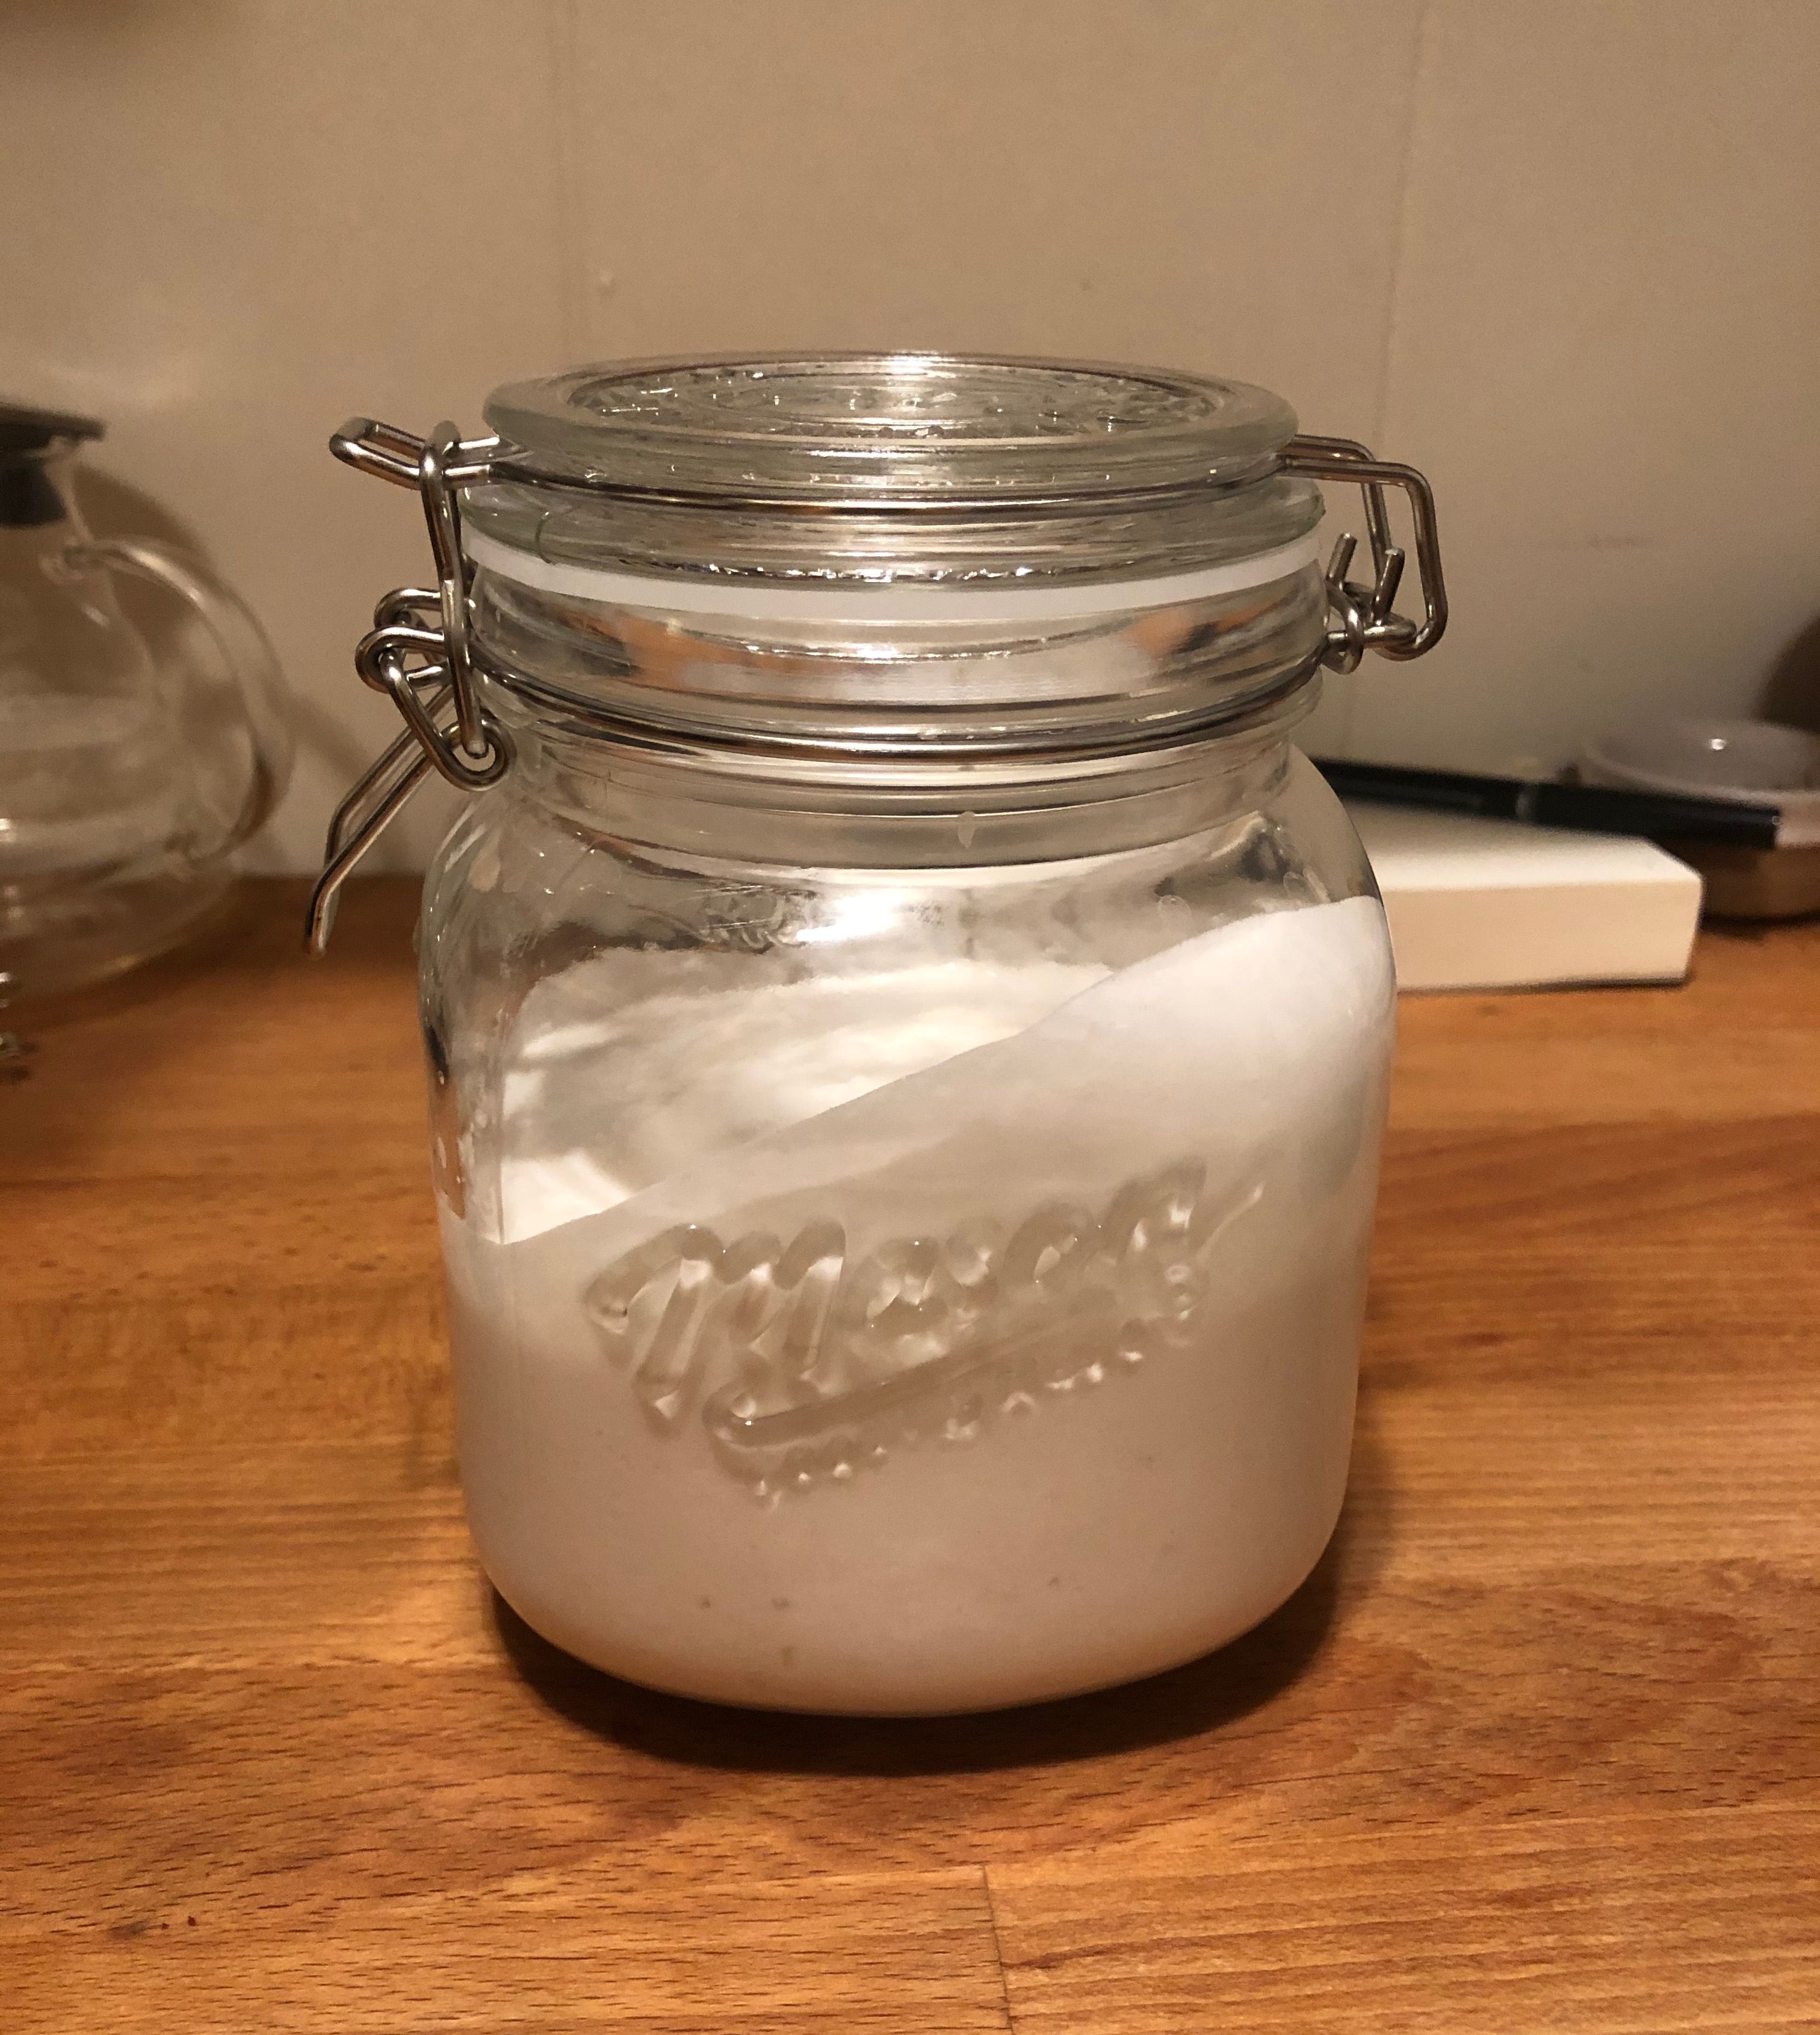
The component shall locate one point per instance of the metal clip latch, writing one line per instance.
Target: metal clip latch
(418, 653)
(1364, 616)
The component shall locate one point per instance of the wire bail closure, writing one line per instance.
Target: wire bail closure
(419, 651)
(1364, 616)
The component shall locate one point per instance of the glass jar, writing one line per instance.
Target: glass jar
(908, 1034)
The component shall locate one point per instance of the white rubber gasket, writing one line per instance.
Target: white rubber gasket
(744, 600)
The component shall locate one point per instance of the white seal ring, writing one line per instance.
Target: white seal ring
(888, 601)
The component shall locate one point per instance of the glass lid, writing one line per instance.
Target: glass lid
(883, 469)
(865, 427)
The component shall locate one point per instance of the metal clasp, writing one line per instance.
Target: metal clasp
(1365, 618)
(418, 653)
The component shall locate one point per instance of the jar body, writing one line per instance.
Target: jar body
(903, 1258)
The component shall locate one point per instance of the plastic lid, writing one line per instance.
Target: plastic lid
(24, 429)
(905, 427)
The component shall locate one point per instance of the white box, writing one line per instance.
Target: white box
(1484, 903)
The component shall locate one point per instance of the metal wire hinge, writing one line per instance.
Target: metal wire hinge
(418, 652)
(1364, 616)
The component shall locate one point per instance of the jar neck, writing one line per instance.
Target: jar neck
(894, 811)
(1130, 669)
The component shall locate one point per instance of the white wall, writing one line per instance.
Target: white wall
(1564, 254)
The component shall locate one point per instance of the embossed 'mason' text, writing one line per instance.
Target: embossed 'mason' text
(804, 1365)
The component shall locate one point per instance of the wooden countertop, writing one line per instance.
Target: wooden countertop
(1538, 1747)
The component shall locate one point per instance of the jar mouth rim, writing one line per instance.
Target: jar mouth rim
(886, 432)
(809, 596)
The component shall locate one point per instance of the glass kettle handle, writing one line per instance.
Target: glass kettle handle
(245, 650)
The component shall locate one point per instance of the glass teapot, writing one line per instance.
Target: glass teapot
(125, 780)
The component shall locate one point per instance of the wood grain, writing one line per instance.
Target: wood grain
(1537, 1747)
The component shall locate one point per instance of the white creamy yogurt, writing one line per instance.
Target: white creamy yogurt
(984, 1334)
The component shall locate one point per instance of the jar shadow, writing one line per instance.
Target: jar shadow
(1207, 1695)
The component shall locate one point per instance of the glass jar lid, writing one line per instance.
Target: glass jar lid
(899, 469)
(907, 428)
